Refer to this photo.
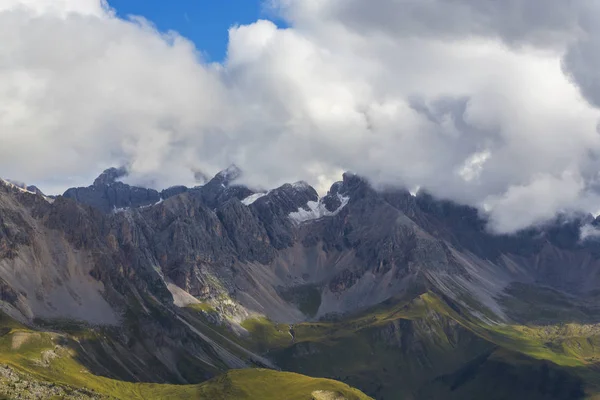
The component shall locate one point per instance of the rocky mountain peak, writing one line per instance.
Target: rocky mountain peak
(355, 185)
(110, 176)
(22, 186)
(291, 197)
(221, 188)
(229, 174)
(108, 194)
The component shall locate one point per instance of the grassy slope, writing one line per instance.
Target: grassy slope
(271, 385)
(427, 349)
(423, 349)
(45, 356)
(387, 352)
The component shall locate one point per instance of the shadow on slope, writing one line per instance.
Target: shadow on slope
(507, 375)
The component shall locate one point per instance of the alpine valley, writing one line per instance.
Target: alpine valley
(221, 292)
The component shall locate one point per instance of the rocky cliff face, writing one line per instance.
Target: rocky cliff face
(62, 260)
(114, 255)
(356, 245)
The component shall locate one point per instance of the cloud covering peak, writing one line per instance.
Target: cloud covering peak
(488, 103)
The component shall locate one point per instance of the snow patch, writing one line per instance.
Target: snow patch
(317, 210)
(252, 198)
(152, 205)
(124, 209)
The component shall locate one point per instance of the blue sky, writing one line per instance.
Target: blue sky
(205, 22)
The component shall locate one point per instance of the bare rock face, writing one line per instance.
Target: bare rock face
(13, 233)
(173, 191)
(273, 211)
(252, 243)
(357, 245)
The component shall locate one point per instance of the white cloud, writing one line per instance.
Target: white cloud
(60, 8)
(484, 102)
(589, 232)
(535, 202)
(474, 165)
(82, 92)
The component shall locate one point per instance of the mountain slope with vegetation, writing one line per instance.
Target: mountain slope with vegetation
(42, 364)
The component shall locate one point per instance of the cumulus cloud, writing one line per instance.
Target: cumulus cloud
(60, 8)
(488, 103)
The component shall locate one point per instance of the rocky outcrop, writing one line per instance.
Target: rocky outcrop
(19, 386)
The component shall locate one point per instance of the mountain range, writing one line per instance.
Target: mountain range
(221, 291)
